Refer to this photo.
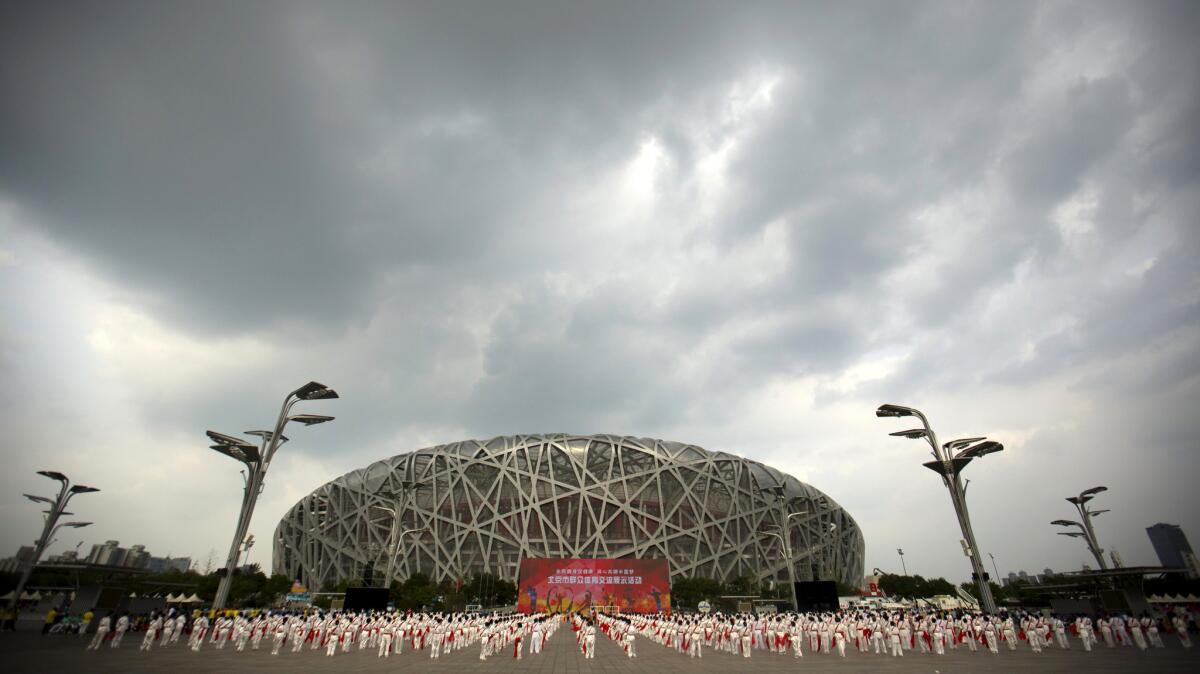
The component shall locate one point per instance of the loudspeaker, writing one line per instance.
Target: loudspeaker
(366, 599)
(817, 595)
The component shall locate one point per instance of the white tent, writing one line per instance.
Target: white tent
(193, 599)
(1172, 599)
(172, 599)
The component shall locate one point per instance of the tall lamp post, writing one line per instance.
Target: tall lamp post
(400, 539)
(900, 551)
(1087, 533)
(787, 551)
(406, 487)
(58, 507)
(949, 461)
(257, 460)
(785, 535)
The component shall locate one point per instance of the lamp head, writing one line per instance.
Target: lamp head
(244, 453)
(77, 525)
(54, 475)
(83, 489)
(311, 419)
(267, 436)
(228, 440)
(1065, 523)
(314, 391)
(890, 410)
(1092, 491)
(914, 434)
(39, 499)
(961, 442)
(982, 449)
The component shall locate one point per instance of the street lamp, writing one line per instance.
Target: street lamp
(949, 461)
(50, 526)
(257, 459)
(399, 539)
(900, 551)
(785, 520)
(1085, 524)
(406, 487)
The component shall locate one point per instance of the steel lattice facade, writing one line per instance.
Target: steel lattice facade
(488, 504)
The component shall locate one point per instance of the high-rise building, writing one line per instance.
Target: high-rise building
(1169, 543)
(17, 563)
(110, 553)
(136, 557)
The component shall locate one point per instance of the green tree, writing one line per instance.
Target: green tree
(417, 592)
(275, 586)
(688, 592)
(937, 586)
(914, 586)
(895, 585)
(489, 590)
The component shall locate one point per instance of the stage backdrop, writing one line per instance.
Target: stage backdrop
(569, 585)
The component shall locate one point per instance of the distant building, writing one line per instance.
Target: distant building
(165, 564)
(67, 557)
(110, 553)
(1169, 543)
(18, 562)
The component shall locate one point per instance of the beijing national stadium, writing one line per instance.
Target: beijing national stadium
(485, 505)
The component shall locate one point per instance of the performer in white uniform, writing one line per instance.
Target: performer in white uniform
(119, 633)
(101, 631)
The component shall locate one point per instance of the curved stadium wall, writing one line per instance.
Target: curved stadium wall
(489, 503)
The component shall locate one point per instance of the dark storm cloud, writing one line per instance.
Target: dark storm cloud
(425, 205)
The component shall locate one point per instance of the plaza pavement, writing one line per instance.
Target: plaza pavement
(29, 651)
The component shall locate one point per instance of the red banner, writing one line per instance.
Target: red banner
(573, 585)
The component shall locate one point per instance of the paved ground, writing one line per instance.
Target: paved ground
(31, 652)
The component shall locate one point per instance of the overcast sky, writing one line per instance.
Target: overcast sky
(738, 225)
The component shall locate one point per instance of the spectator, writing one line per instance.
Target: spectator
(51, 616)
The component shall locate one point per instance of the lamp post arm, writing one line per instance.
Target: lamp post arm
(395, 552)
(1085, 516)
(280, 422)
(930, 436)
(48, 529)
(958, 498)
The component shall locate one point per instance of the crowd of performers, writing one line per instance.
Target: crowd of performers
(345, 631)
(891, 633)
(883, 632)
